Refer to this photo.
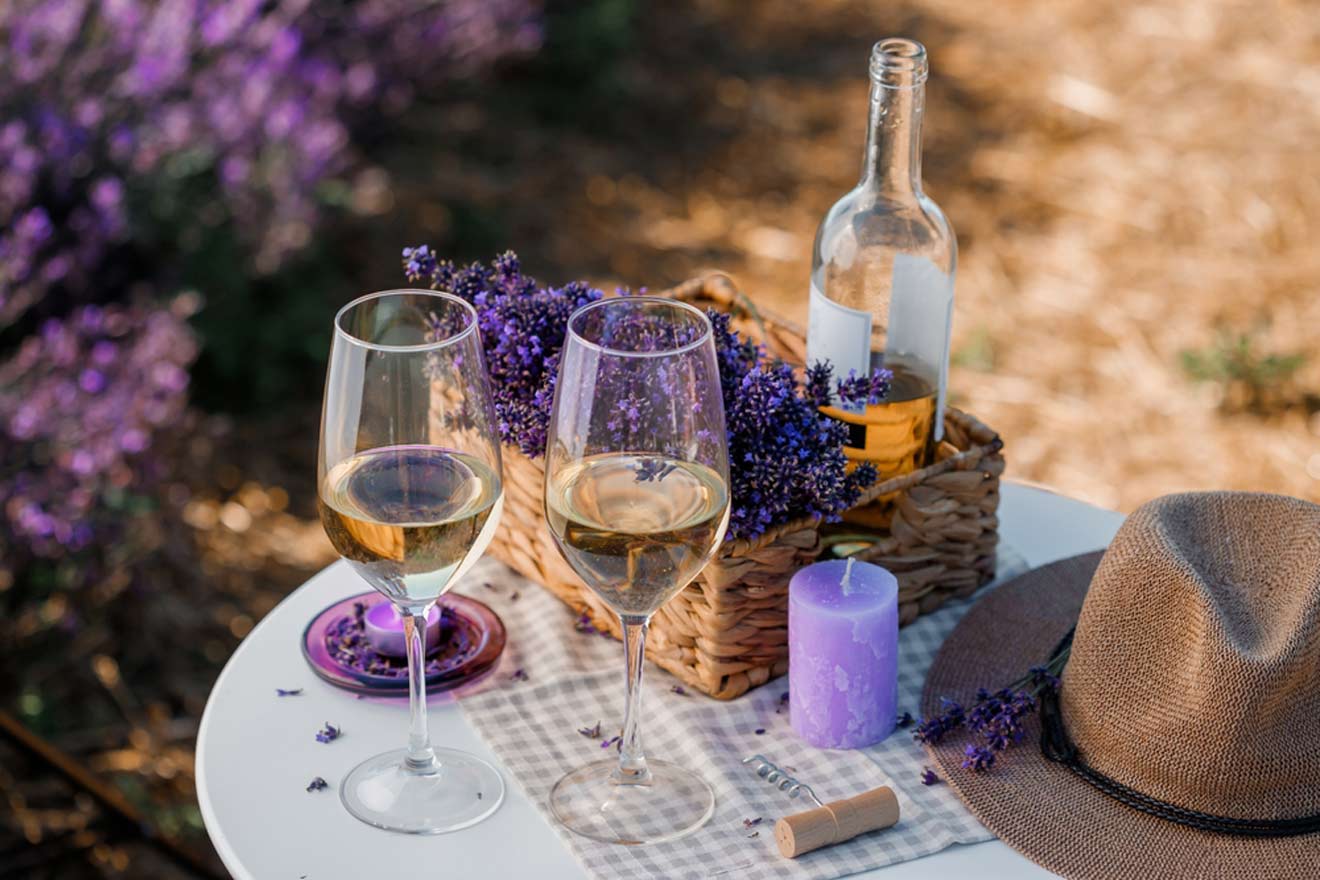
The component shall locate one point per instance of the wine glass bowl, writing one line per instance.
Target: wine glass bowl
(410, 494)
(637, 499)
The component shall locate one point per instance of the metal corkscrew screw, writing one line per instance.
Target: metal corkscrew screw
(826, 824)
(776, 776)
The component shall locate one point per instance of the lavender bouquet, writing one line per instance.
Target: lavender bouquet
(786, 459)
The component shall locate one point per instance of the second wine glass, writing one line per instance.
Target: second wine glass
(637, 498)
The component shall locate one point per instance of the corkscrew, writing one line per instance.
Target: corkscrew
(827, 823)
(776, 776)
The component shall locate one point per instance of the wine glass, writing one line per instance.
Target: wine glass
(410, 494)
(637, 498)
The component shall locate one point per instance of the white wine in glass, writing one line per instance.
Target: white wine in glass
(637, 499)
(410, 494)
(407, 517)
(639, 540)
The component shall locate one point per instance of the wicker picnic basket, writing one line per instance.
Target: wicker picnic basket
(727, 632)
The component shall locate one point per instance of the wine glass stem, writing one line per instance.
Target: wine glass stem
(632, 762)
(421, 757)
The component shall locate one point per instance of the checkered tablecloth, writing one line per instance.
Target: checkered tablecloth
(553, 681)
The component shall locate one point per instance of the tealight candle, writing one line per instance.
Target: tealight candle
(843, 653)
(383, 626)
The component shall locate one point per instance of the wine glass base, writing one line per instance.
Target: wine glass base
(675, 803)
(459, 791)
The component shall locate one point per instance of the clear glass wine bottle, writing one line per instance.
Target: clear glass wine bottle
(882, 280)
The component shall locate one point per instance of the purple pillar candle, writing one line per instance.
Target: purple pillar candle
(383, 627)
(843, 653)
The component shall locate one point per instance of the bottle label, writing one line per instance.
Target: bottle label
(921, 319)
(838, 334)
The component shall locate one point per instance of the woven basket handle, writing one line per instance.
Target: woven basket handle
(782, 337)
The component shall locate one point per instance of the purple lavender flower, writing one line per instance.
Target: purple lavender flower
(928, 777)
(329, 733)
(863, 390)
(77, 438)
(816, 385)
(996, 716)
(656, 469)
(933, 730)
(978, 758)
(1041, 678)
(317, 784)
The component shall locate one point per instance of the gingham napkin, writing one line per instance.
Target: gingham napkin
(554, 680)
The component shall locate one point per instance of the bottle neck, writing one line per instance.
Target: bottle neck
(892, 163)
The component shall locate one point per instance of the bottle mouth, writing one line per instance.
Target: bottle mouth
(897, 62)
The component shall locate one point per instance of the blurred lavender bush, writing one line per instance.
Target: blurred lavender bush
(133, 134)
(84, 403)
(106, 107)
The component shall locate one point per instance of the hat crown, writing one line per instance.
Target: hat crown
(1194, 676)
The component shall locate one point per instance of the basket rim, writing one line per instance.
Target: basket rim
(743, 546)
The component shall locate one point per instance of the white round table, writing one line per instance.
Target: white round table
(257, 752)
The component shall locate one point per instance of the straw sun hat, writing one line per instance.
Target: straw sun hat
(1185, 740)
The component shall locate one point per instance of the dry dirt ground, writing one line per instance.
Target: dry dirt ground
(1128, 182)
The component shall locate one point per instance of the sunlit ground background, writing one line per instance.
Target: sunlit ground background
(1136, 190)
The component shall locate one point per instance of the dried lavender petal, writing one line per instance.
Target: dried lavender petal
(329, 733)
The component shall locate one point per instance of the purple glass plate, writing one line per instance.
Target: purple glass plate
(471, 640)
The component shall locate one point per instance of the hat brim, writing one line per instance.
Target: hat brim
(1044, 810)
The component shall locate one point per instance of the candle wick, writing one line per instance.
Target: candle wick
(847, 576)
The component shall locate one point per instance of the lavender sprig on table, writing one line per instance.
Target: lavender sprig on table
(786, 458)
(584, 625)
(996, 717)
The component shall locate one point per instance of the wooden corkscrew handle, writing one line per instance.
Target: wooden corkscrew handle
(836, 822)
